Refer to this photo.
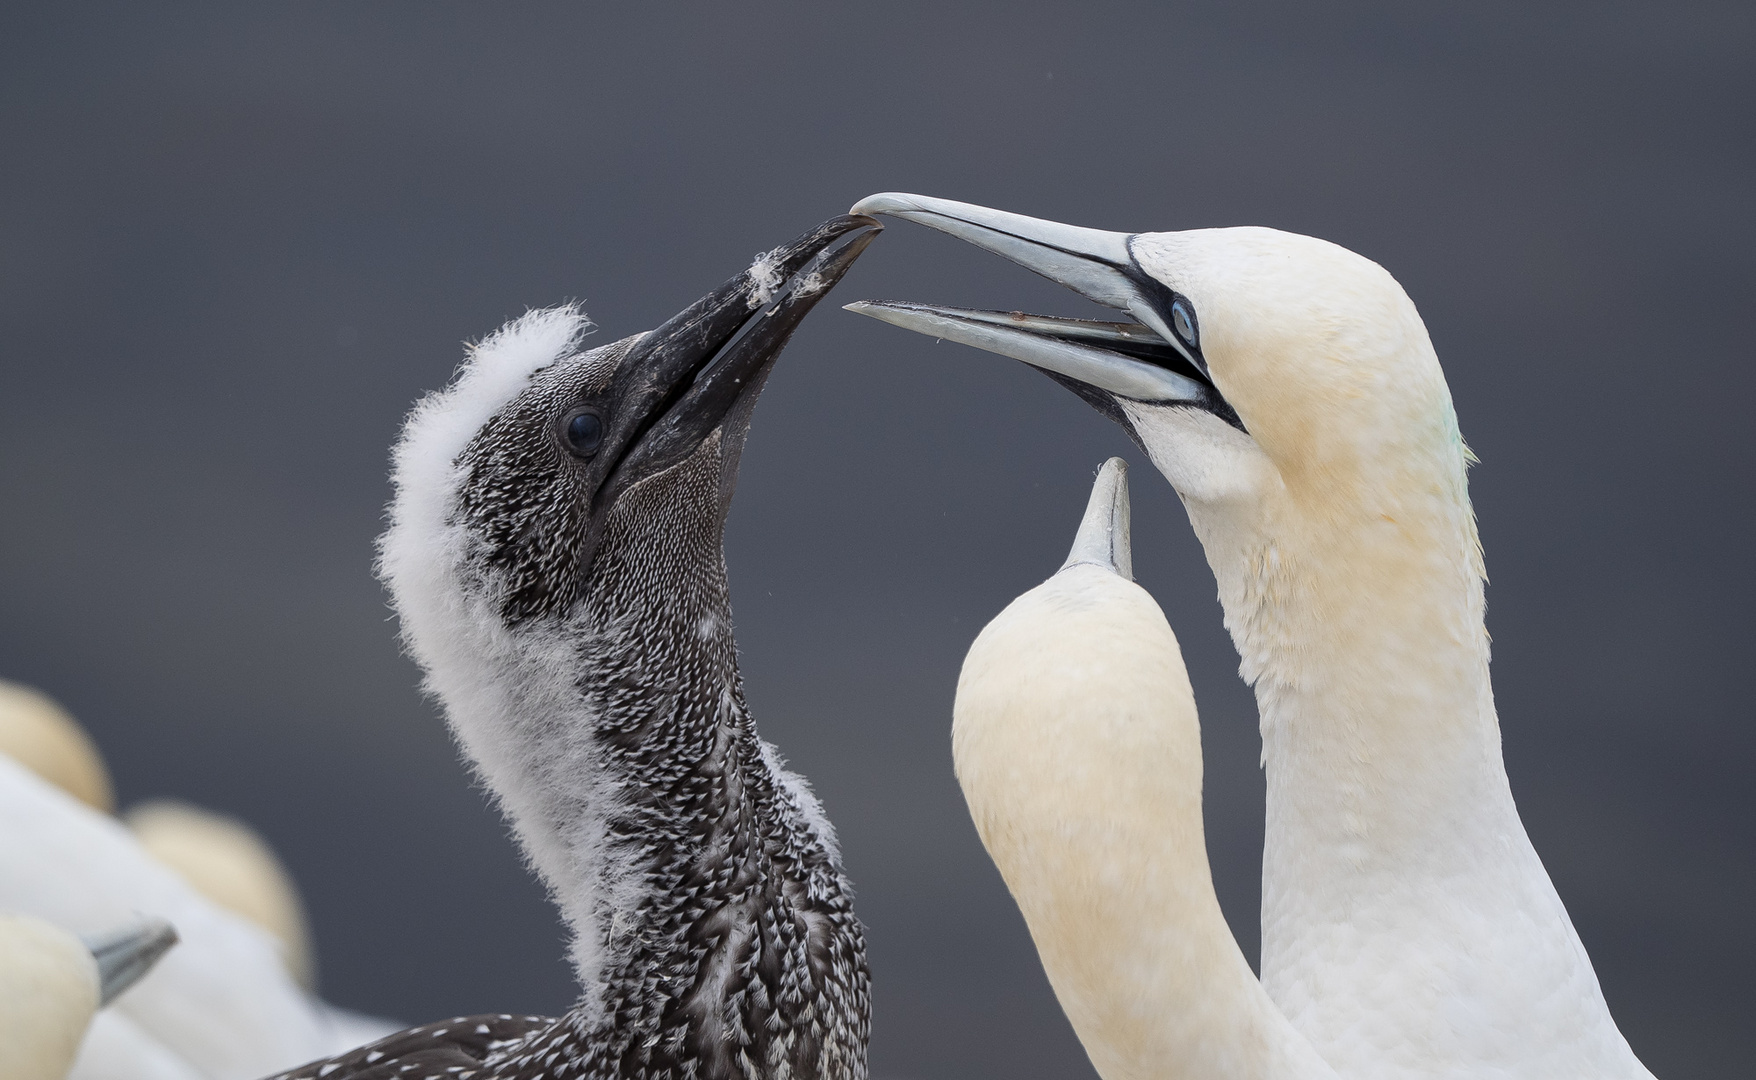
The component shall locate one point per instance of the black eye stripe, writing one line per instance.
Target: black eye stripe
(1165, 299)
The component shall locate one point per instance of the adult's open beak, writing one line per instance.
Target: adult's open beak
(1095, 263)
(1104, 363)
(1092, 353)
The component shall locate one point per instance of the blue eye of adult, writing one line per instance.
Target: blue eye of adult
(584, 432)
(1183, 322)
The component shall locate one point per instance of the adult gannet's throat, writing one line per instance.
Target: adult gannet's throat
(1157, 359)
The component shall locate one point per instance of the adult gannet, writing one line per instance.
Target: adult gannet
(555, 552)
(1078, 749)
(61, 856)
(1288, 390)
(52, 983)
(225, 859)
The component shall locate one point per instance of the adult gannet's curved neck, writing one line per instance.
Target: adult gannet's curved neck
(1079, 752)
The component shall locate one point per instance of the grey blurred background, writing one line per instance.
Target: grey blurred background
(237, 241)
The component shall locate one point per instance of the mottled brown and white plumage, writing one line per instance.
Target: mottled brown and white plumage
(556, 555)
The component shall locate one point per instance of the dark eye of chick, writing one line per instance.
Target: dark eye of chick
(583, 431)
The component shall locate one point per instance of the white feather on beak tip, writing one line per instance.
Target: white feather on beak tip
(1078, 748)
(1409, 929)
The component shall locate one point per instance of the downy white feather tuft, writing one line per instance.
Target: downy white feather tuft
(502, 691)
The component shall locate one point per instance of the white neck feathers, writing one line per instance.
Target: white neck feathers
(1408, 927)
(510, 698)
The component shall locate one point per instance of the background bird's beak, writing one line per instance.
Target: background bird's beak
(1092, 262)
(125, 954)
(1103, 538)
(684, 379)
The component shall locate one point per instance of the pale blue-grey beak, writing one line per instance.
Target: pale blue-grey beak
(1084, 351)
(1103, 537)
(1155, 360)
(1095, 263)
(127, 953)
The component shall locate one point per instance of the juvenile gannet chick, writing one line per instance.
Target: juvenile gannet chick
(556, 555)
(39, 734)
(1288, 390)
(52, 982)
(1078, 748)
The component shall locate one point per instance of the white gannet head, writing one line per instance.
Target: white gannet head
(1283, 384)
(1075, 742)
(1078, 749)
(1312, 355)
(52, 982)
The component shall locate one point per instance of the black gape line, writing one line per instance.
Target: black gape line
(594, 503)
(1183, 357)
(1177, 310)
(1168, 302)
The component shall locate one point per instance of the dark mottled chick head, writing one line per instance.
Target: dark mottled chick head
(513, 479)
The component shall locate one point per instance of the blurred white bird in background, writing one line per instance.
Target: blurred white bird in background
(231, 1003)
(39, 734)
(52, 984)
(231, 864)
